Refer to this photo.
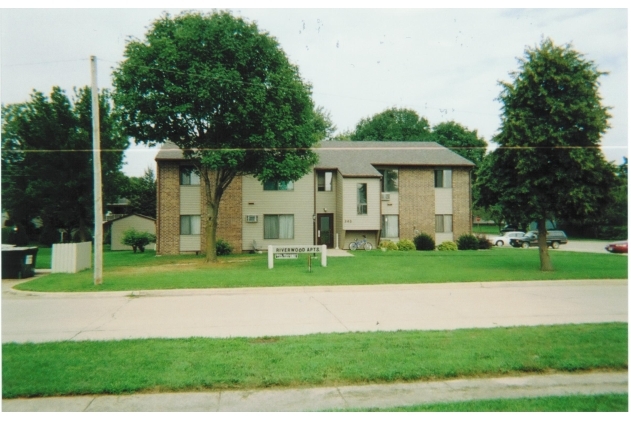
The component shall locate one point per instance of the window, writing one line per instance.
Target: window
(278, 185)
(444, 223)
(278, 226)
(442, 179)
(190, 225)
(390, 180)
(325, 180)
(189, 176)
(362, 199)
(390, 226)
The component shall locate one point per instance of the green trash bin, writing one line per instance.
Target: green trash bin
(18, 262)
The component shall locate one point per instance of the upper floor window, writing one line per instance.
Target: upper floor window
(325, 180)
(442, 179)
(362, 199)
(189, 176)
(278, 185)
(390, 180)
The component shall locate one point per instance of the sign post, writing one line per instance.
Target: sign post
(291, 252)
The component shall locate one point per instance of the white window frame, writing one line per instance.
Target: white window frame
(278, 185)
(189, 176)
(362, 207)
(384, 231)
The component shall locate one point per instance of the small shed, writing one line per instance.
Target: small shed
(120, 225)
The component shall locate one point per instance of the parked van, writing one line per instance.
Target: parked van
(554, 239)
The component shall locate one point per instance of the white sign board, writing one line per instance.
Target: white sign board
(286, 251)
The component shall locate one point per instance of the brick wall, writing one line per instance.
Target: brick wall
(416, 201)
(230, 219)
(168, 221)
(461, 202)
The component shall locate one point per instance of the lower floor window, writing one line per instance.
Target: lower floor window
(390, 226)
(444, 223)
(190, 224)
(278, 226)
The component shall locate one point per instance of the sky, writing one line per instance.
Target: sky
(445, 64)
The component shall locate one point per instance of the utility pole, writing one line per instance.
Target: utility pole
(98, 195)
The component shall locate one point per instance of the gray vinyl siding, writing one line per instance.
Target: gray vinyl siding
(259, 202)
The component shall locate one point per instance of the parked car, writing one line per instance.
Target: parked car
(618, 247)
(554, 239)
(505, 238)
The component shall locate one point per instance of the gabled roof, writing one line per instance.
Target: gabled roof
(358, 159)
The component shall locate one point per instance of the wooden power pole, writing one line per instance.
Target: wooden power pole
(98, 192)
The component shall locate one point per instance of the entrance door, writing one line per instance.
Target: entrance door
(325, 231)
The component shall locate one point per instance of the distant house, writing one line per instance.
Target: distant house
(119, 226)
(383, 190)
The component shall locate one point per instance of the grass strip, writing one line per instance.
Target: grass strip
(126, 271)
(572, 403)
(157, 365)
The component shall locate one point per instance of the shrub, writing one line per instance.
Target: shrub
(405, 245)
(468, 242)
(447, 246)
(223, 248)
(388, 245)
(424, 242)
(137, 240)
(484, 243)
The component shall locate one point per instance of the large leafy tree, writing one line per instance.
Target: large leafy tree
(549, 164)
(141, 192)
(47, 167)
(393, 124)
(461, 140)
(226, 94)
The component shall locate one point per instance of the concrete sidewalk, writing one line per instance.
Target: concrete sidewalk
(335, 398)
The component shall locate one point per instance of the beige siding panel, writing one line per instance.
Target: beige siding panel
(444, 236)
(190, 200)
(390, 207)
(370, 221)
(327, 199)
(190, 242)
(121, 225)
(259, 202)
(444, 201)
(339, 209)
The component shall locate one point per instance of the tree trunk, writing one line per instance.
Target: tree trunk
(212, 211)
(544, 256)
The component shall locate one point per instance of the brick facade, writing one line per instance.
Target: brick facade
(461, 202)
(416, 202)
(168, 221)
(230, 218)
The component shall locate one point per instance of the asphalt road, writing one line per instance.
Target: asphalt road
(251, 312)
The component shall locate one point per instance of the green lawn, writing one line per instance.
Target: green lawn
(157, 365)
(572, 403)
(126, 271)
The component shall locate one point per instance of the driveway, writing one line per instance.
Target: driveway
(41, 317)
(589, 246)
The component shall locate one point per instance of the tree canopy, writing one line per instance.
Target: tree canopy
(141, 193)
(47, 159)
(549, 165)
(399, 124)
(461, 140)
(226, 94)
